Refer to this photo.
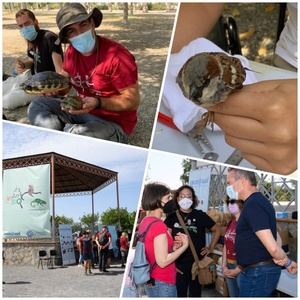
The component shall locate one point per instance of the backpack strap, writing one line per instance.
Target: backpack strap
(142, 235)
(142, 238)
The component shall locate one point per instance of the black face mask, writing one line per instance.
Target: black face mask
(169, 207)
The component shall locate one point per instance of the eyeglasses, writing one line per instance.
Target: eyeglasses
(231, 201)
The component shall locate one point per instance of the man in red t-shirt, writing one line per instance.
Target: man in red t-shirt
(104, 75)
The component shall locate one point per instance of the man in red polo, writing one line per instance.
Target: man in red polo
(103, 73)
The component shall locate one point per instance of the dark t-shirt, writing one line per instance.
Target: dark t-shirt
(196, 221)
(257, 214)
(86, 245)
(42, 54)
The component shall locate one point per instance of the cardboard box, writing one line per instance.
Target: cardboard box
(221, 286)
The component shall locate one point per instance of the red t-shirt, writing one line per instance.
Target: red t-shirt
(123, 243)
(229, 239)
(103, 74)
(167, 274)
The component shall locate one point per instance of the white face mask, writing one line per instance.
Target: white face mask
(185, 203)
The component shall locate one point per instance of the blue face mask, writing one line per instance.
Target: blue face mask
(84, 43)
(231, 193)
(28, 32)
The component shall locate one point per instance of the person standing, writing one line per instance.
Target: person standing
(259, 256)
(103, 240)
(95, 251)
(196, 222)
(87, 252)
(124, 246)
(110, 255)
(229, 263)
(79, 247)
(161, 250)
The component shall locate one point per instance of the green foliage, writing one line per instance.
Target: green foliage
(187, 165)
(282, 192)
(157, 6)
(102, 6)
(122, 217)
(87, 220)
(76, 227)
(63, 220)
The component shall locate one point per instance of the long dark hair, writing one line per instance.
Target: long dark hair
(194, 197)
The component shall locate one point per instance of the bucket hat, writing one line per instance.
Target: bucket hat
(72, 13)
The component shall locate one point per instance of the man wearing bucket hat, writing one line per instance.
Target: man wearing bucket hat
(103, 73)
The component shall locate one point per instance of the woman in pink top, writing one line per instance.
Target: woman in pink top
(161, 250)
(230, 267)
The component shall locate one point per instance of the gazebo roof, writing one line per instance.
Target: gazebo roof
(70, 175)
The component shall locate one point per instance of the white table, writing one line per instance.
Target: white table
(171, 140)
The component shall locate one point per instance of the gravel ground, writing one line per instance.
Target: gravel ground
(29, 281)
(257, 25)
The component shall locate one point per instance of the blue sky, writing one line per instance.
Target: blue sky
(20, 140)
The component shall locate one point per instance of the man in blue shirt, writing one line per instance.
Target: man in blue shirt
(259, 256)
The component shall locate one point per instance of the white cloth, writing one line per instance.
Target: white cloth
(286, 47)
(184, 112)
(13, 95)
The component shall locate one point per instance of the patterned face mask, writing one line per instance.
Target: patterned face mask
(185, 203)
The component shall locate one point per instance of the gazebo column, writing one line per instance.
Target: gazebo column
(93, 212)
(118, 201)
(53, 197)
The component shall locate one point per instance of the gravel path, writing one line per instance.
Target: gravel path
(29, 281)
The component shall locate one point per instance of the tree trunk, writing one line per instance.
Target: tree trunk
(11, 7)
(131, 8)
(145, 7)
(125, 14)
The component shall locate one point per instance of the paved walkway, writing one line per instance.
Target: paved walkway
(29, 281)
